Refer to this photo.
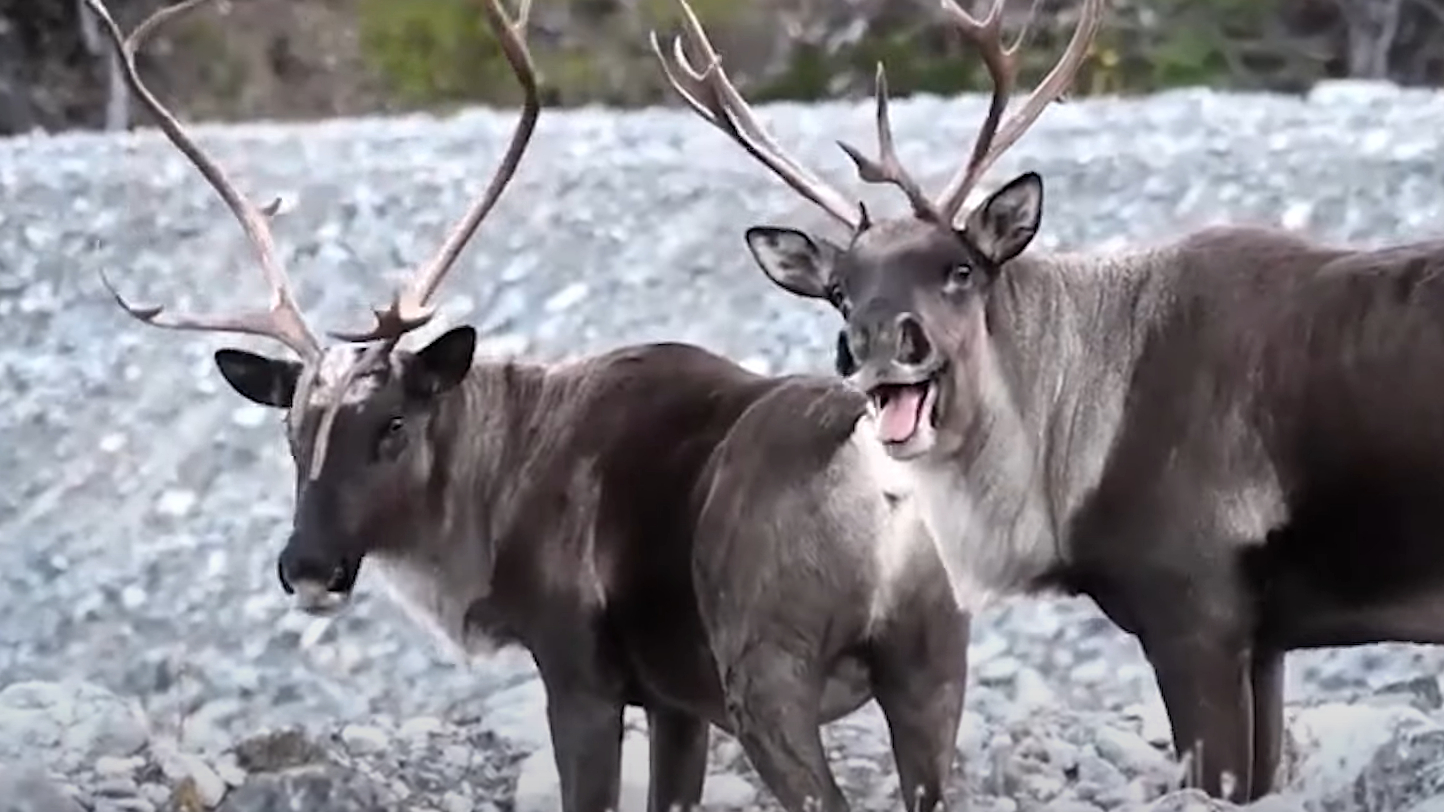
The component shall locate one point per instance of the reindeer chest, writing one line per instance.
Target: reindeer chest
(446, 601)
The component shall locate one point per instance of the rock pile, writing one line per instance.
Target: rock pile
(75, 747)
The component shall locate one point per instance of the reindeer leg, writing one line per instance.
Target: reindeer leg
(1203, 672)
(1194, 620)
(586, 733)
(678, 743)
(773, 706)
(919, 679)
(1267, 677)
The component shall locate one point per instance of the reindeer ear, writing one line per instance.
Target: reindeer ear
(443, 363)
(1007, 221)
(793, 260)
(259, 379)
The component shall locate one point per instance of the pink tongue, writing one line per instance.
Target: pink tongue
(899, 417)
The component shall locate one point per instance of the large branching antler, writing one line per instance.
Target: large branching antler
(711, 94)
(993, 141)
(282, 321)
(411, 308)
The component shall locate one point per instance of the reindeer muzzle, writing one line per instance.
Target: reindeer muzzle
(317, 588)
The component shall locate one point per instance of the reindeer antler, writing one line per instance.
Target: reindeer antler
(888, 169)
(1002, 66)
(282, 321)
(712, 96)
(411, 307)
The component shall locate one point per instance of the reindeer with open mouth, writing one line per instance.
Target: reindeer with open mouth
(1232, 441)
(656, 525)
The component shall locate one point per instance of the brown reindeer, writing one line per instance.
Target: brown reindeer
(1229, 441)
(656, 525)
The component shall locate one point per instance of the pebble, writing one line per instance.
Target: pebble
(419, 726)
(727, 790)
(116, 788)
(566, 298)
(456, 802)
(176, 502)
(364, 739)
(1127, 751)
(110, 765)
(208, 786)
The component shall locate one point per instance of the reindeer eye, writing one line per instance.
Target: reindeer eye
(389, 440)
(960, 273)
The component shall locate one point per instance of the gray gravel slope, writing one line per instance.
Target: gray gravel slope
(141, 502)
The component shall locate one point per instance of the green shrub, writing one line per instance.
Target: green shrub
(432, 51)
(441, 51)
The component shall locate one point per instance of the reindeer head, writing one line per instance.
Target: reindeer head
(360, 413)
(912, 289)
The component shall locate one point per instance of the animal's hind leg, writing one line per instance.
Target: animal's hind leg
(773, 705)
(678, 746)
(920, 678)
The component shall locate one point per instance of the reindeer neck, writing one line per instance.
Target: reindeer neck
(1063, 335)
(1069, 330)
(481, 439)
(493, 423)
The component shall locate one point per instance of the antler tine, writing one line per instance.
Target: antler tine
(991, 141)
(283, 320)
(412, 307)
(888, 169)
(713, 96)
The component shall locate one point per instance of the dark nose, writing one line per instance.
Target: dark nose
(294, 566)
(913, 347)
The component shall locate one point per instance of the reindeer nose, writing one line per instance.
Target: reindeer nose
(913, 347)
(294, 567)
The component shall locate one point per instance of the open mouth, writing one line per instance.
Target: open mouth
(901, 408)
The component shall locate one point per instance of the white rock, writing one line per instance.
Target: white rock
(24, 787)
(1153, 721)
(113, 766)
(728, 791)
(232, 773)
(419, 727)
(363, 739)
(519, 713)
(65, 725)
(566, 298)
(249, 416)
(1339, 742)
(456, 802)
(1127, 751)
(210, 789)
(176, 502)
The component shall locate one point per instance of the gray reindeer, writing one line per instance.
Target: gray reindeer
(656, 525)
(1229, 441)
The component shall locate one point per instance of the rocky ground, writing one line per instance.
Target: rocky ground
(148, 650)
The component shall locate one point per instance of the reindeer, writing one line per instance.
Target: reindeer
(1227, 440)
(656, 525)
